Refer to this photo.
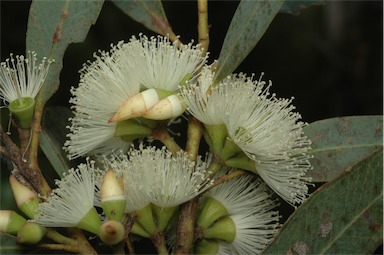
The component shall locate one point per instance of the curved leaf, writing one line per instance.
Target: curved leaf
(9, 245)
(248, 24)
(338, 143)
(150, 13)
(52, 26)
(53, 136)
(295, 7)
(344, 216)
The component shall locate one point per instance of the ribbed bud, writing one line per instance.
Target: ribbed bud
(10, 221)
(211, 211)
(206, 247)
(112, 232)
(26, 199)
(224, 229)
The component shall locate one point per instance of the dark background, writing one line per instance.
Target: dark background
(330, 58)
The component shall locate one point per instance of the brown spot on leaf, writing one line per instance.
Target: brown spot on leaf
(326, 228)
(300, 248)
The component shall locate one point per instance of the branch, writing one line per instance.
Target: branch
(203, 26)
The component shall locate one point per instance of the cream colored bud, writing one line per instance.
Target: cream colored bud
(112, 197)
(26, 199)
(167, 108)
(10, 221)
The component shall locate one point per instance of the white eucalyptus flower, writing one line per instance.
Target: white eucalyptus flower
(263, 126)
(24, 78)
(249, 215)
(104, 86)
(20, 82)
(163, 65)
(163, 179)
(71, 204)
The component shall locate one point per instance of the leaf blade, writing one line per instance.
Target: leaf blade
(52, 26)
(150, 14)
(338, 143)
(248, 24)
(343, 216)
(295, 7)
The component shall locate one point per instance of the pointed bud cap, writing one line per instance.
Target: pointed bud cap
(211, 211)
(224, 229)
(10, 221)
(26, 199)
(207, 247)
(167, 108)
(31, 233)
(112, 196)
(112, 232)
(137, 105)
(23, 108)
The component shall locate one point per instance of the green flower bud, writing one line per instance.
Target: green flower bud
(112, 232)
(26, 199)
(31, 233)
(10, 221)
(208, 247)
(112, 197)
(224, 229)
(211, 211)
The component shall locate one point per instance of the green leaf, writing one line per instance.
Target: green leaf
(150, 13)
(344, 216)
(248, 24)
(52, 26)
(338, 143)
(296, 6)
(8, 245)
(53, 136)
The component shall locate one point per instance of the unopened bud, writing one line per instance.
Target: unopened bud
(112, 232)
(10, 221)
(112, 196)
(137, 105)
(26, 199)
(167, 108)
(224, 229)
(31, 233)
(211, 211)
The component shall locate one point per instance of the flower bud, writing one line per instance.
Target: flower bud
(112, 197)
(31, 233)
(112, 232)
(224, 229)
(211, 211)
(137, 105)
(167, 108)
(10, 221)
(209, 247)
(23, 108)
(26, 199)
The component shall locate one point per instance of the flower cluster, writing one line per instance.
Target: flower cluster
(129, 93)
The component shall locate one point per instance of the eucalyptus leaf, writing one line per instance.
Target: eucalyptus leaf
(150, 13)
(8, 245)
(344, 216)
(52, 26)
(338, 143)
(296, 6)
(53, 136)
(248, 24)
